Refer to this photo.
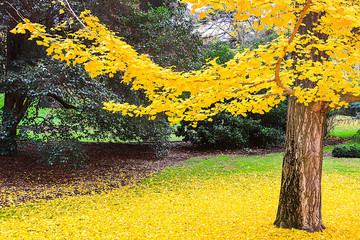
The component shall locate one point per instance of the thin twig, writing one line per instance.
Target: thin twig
(69, 8)
(17, 12)
(12, 16)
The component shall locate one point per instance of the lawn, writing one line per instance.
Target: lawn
(221, 197)
(345, 127)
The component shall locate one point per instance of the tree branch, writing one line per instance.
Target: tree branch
(349, 98)
(61, 101)
(277, 71)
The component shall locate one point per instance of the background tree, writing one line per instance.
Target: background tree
(321, 74)
(78, 104)
(222, 25)
(17, 53)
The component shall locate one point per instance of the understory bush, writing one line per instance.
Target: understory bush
(78, 115)
(349, 152)
(357, 136)
(62, 153)
(228, 131)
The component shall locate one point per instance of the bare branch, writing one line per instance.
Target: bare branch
(11, 16)
(69, 8)
(17, 12)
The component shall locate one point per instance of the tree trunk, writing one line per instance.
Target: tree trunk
(8, 145)
(14, 109)
(300, 194)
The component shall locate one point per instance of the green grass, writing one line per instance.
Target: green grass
(345, 127)
(2, 96)
(229, 165)
(345, 131)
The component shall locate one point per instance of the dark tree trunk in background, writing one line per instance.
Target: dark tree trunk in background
(15, 106)
(16, 101)
(18, 48)
(300, 195)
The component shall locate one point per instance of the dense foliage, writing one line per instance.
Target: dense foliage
(229, 131)
(74, 100)
(346, 152)
(168, 36)
(219, 50)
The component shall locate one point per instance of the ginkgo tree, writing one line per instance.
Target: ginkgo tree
(315, 61)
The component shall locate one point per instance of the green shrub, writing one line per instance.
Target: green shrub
(220, 50)
(349, 152)
(228, 131)
(357, 136)
(62, 153)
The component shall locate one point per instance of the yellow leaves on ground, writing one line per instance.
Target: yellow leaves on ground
(236, 206)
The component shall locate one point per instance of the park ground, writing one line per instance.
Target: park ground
(125, 193)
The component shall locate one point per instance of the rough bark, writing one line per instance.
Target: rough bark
(300, 194)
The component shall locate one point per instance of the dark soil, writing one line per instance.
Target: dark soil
(109, 165)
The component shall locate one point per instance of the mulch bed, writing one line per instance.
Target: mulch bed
(113, 165)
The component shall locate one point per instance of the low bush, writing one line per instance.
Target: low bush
(349, 152)
(63, 154)
(228, 131)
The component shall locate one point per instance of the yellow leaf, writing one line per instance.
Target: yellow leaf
(241, 17)
(260, 28)
(202, 15)
(14, 31)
